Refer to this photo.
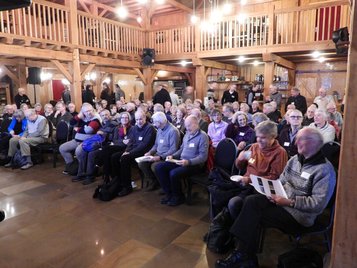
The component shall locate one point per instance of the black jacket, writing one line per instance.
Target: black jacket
(161, 97)
(228, 97)
(299, 102)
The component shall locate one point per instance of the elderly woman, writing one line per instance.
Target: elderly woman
(121, 137)
(179, 123)
(239, 131)
(321, 123)
(336, 116)
(16, 128)
(217, 128)
(258, 118)
(245, 109)
(288, 134)
(309, 116)
(264, 158)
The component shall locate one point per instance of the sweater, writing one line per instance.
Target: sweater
(268, 163)
(14, 126)
(217, 132)
(167, 141)
(86, 128)
(229, 97)
(142, 139)
(37, 128)
(311, 182)
(327, 131)
(239, 134)
(194, 148)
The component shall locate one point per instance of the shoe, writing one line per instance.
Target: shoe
(237, 259)
(88, 180)
(133, 184)
(2, 215)
(165, 200)
(27, 166)
(175, 201)
(78, 178)
(8, 165)
(152, 186)
(65, 172)
(161, 191)
(125, 191)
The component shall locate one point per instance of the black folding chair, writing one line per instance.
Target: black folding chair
(225, 154)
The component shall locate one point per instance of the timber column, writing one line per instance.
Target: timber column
(76, 92)
(200, 82)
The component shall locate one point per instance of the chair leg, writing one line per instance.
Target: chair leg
(261, 238)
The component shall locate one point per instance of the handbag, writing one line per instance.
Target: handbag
(93, 143)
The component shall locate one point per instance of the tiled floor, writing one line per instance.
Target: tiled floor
(52, 222)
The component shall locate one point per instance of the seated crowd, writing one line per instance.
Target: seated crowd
(176, 139)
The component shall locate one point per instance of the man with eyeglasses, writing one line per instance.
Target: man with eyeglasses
(288, 134)
(85, 125)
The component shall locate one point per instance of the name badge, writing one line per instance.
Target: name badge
(140, 138)
(191, 145)
(251, 160)
(161, 141)
(257, 94)
(178, 126)
(232, 96)
(241, 134)
(305, 175)
(286, 144)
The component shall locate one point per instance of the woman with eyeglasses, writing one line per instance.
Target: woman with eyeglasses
(288, 134)
(121, 138)
(240, 131)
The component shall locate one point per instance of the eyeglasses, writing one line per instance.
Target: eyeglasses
(295, 116)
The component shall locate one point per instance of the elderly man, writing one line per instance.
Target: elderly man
(191, 157)
(166, 143)
(61, 114)
(21, 98)
(162, 95)
(141, 140)
(203, 124)
(336, 116)
(309, 181)
(85, 124)
(321, 123)
(86, 160)
(36, 132)
(230, 95)
(298, 100)
(323, 99)
(72, 109)
(228, 113)
(274, 95)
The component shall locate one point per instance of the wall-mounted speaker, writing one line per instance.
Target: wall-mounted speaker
(34, 77)
(13, 4)
(148, 57)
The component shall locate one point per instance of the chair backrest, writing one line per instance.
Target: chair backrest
(62, 131)
(226, 153)
(50, 128)
(331, 151)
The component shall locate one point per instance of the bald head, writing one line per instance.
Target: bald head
(191, 124)
(309, 141)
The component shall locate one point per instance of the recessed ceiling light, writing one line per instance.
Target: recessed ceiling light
(241, 59)
(315, 54)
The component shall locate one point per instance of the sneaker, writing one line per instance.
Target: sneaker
(175, 201)
(65, 172)
(8, 165)
(27, 166)
(78, 178)
(133, 184)
(237, 259)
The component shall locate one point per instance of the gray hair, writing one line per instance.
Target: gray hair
(258, 118)
(158, 107)
(235, 116)
(160, 117)
(196, 112)
(140, 113)
(19, 113)
(125, 113)
(313, 134)
(29, 112)
(86, 104)
(323, 112)
(268, 128)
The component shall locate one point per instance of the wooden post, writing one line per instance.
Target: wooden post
(21, 70)
(148, 76)
(344, 243)
(268, 75)
(291, 77)
(200, 82)
(76, 93)
(271, 25)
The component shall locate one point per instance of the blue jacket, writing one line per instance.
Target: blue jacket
(23, 125)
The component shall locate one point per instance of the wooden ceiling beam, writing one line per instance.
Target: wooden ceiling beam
(100, 61)
(63, 70)
(10, 74)
(141, 75)
(214, 64)
(172, 68)
(115, 70)
(270, 57)
(88, 69)
(179, 6)
(83, 5)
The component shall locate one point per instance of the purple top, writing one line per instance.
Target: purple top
(217, 132)
(239, 134)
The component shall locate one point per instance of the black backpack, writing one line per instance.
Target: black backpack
(300, 258)
(18, 160)
(108, 190)
(218, 238)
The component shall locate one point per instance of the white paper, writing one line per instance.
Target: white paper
(145, 158)
(268, 187)
(177, 162)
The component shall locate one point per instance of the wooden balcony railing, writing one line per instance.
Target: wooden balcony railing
(42, 21)
(107, 35)
(173, 41)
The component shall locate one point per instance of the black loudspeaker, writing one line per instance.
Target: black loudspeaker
(148, 57)
(13, 4)
(34, 77)
(341, 39)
